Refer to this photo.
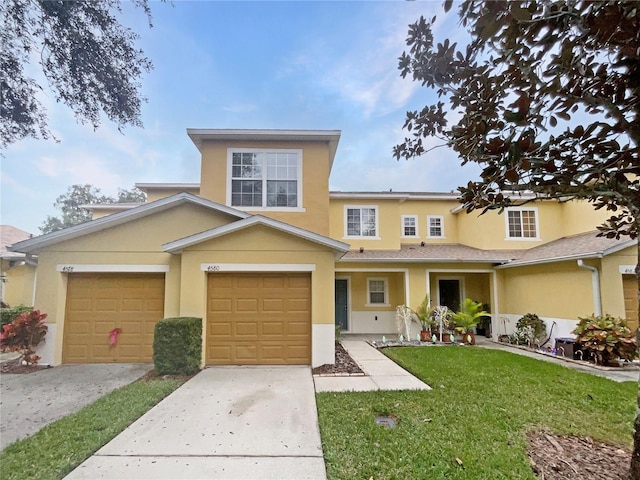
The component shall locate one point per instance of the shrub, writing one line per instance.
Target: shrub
(607, 338)
(530, 329)
(469, 315)
(8, 314)
(24, 334)
(177, 346)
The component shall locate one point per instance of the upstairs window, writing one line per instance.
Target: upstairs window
(522, 223)
(435, 228)
(265, 178)
(361, 221)
(409, 226)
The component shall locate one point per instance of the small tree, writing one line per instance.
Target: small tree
(24, 334)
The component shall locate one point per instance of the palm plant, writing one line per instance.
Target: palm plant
(424, 313)
(468, 316)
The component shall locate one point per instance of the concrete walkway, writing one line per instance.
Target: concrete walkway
(226, 422)
(380, 373)
(31, 401)
(617, 375)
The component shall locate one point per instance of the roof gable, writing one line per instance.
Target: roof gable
(340, 248)
(144, 210)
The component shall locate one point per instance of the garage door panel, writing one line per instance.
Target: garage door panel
(269, 322)
(100, 302)
(247, 305)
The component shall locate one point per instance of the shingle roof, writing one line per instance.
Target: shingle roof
(8, 236)
(433, 253)
(585, 245)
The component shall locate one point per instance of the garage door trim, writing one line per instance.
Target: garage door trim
(257, 267)
(95, 268)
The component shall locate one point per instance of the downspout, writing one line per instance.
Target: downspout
(595, 282)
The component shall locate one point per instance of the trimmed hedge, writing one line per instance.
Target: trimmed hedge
(7, 315)
(177, 346)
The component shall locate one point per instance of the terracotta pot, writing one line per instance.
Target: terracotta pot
(425, 335)
(469, 338)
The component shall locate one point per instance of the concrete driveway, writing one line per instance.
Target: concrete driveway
(28, 402)
(226, 422)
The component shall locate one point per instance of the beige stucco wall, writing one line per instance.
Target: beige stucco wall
(423, 208)
(579, 216)
(19, 281)
(388, 235)
(558, 290)
(315, 182)
(158, 194)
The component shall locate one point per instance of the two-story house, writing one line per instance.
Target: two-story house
(272, 260)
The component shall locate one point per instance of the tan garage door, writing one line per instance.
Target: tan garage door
(100, 302)
(259, 319)
(630, 287)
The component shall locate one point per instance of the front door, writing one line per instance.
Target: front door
(450, 293)
(342, 293)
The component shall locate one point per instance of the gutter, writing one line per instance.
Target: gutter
(595, 284)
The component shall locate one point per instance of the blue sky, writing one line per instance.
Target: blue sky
(293, 65)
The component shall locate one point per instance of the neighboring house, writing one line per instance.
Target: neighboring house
(17, 272)
(272, 260)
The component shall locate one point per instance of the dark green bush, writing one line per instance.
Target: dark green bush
(177, 346)
(9, 314)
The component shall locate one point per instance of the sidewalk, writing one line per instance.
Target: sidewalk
(380, 373)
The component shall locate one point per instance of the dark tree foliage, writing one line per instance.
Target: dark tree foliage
(546, 98)
(87, 58)
(70, 205)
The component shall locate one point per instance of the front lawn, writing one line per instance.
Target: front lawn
(482, 404)
(61, 446)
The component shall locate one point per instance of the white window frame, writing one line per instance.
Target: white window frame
(403, 226)
(521, 209)
(386, 292)
(435, 217)
(360, 207)
(264, 208)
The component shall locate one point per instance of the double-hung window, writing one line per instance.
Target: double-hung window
(265, 178)
(361, 221)
(522, 223)
(435, 226)
(409, 226)
(377, 291)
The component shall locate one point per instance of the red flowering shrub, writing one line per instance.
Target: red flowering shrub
(24, 334)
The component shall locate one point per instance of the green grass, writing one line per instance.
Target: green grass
(482, 404)
(63, 445)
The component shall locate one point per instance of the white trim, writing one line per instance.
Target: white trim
(401, 196)
(434, 217)
(627, 269)
(522, 209)
(360, 207)
(120, 268)
(265, 179)
(385, 281)
(257, 267)
(403, 226)
(167, 186)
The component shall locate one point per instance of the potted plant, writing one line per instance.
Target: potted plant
(467, 318)
(424, 314)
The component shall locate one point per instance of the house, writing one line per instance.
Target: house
(17, 271)
(273, 261)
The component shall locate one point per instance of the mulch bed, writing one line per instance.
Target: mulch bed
(15, 366)
(344, 364)
(558, 457)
